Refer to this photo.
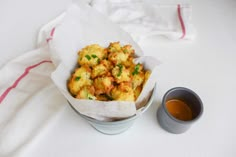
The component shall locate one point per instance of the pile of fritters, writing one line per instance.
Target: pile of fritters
(107, 74)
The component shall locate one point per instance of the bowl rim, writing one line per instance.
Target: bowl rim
(123, 120)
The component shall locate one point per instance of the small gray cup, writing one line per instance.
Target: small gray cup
(169, 122)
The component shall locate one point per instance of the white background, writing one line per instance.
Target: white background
(207, 65)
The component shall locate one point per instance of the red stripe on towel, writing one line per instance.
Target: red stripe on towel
(181, 22)
(27, 70)
(48, 39)
(51, 34)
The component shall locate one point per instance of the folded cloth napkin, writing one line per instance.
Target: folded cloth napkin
(147, 18)
(29, 101)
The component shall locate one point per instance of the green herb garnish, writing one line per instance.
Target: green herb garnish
(136, 69)
(120, 69)
(125, 51)
(94, 56)
(77, 78)
(89, 96)
(88, 57)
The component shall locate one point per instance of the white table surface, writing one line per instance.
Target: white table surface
(207, 65)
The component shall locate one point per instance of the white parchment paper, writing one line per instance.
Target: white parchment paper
(83, 26)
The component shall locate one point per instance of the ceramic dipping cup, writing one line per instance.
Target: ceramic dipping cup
(169, 122)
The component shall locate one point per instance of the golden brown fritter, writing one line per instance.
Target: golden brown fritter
(123, 92)
(114, 47)
(118, 57)
(137, 80)
(80, 78)
(136, 68)
(103, 85)
(101, 69)
(91, 55)
(129, 63)
(121, 74)
(127, 49)
(116, 54)
(86, 92)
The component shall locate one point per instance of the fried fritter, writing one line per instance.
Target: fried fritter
(116, 55)
(103, 85)
(127, 49)
(137, 80)
(136, 68)
(101, 69)
(114, 47)
(123, 92)
(121, 74)
(129, 63)
(92, 55)
(86, 92)
(80, 78)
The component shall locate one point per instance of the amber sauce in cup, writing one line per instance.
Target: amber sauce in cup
(179, 109)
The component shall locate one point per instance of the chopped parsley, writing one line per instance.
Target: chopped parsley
(136, 69)
(125, 51)
(89, 96)
(94, 56)
(88, 57)
(120, 69)
(77, 78)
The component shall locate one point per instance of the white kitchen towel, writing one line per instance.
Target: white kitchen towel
(142, 18)
(29, 101)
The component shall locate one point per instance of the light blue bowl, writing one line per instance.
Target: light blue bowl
(117, 127)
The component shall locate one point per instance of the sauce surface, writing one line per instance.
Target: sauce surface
(179, 109)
